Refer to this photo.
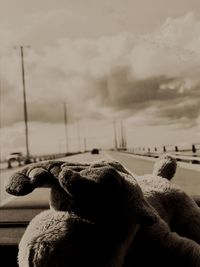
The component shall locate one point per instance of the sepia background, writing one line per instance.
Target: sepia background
(113, 63)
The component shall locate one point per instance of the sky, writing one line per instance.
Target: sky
(133, 61)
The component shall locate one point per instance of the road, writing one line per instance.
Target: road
(16, 212)
(187, 177)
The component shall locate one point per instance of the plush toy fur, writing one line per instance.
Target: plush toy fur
(100, 216)
(178, 213)
(93, 217)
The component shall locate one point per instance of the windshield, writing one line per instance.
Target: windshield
(87, 80)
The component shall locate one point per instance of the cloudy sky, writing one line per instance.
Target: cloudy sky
(134, 61)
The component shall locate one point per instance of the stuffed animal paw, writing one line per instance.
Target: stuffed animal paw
(95, 212)
(102, 215)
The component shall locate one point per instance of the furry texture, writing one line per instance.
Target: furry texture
(95, 213)
(175, 239)
(165, 166)
(100, 215)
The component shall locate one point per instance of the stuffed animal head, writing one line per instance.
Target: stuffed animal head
(97, 192)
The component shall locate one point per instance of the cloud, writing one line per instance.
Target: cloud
(186, 112)
(110, 76)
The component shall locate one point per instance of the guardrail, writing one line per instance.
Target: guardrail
(187, 153)
(36, 158)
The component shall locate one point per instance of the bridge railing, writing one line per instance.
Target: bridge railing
(186, 153)
(35, 158)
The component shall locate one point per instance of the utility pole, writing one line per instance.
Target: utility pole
(85, 144)
(115, 134)
(25, 105)
(84, 137)
(66, 130)
(79, 137)
(122, 134)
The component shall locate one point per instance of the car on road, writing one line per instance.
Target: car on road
(15, 157)
(95, 151)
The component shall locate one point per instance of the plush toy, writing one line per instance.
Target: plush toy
(178, 212)
(101, 215)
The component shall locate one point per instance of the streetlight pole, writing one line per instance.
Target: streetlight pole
(25, 106)
(115, 134)
(66, 132)
(79, 137)
(84, 137)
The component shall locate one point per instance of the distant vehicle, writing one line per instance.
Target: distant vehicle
(95, 151)
(15, 156)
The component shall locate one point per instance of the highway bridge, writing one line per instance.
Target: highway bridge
(187, 176)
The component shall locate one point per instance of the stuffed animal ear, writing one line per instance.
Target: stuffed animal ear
(31, 177)
(165, 166)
